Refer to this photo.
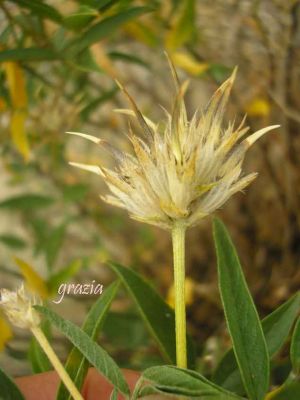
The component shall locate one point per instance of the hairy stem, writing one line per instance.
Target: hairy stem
(178, 239)
(43, 341)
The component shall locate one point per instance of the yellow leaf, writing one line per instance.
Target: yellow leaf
(17, 90)
(34, 281)
(16, 84)
(189, 293)
(18, 133)
(5, 332)
(189, 63)
(142, 33)
(183, 27)
(259, 107)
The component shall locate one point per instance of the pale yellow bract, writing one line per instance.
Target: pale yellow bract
(184, 173)
(17, 305)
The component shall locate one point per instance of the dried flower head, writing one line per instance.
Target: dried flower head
(17, 306)
(183, 169)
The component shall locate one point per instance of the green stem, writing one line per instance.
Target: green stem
(178, 239)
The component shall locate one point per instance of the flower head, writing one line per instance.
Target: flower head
(182, 169)
(17, 306)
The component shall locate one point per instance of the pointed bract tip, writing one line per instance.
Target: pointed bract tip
(86, 167)
(93, 139)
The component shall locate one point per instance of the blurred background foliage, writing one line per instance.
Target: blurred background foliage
(58, 61)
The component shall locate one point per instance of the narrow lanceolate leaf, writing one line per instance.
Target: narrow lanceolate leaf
(77, 365)
(295, 349)
(40, 9)
(25, 202)
(9, 390)
(276, 327)
(28, 54)
(158, 316)
(104, 28)
(243, 323)
(97, 356)
(181, 382)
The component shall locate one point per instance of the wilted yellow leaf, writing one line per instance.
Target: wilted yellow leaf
(18, 133)
(259, 107)
(34, 281)
(189, 293)
(5, 332)
(189, 63)
(16, 84)
(183, 27)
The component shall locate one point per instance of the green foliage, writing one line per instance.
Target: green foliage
(76, 364)
(40, 8)
(13, 241)
(180, 382)
(97, 356)
(276, 327)
(28, 54)
(241, 316)
(158, 316)
(295, 349)
(9, 390)
(102, 29)
(26, 202)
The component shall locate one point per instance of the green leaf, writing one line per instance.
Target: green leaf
(295, 349)
(104, 28)
(117, 55)
(289, 391)
(12, 241)
(9, 390)
(76, 365)
(25, 202)
(278, 324)
(80, 18)
(125, 330)
(276, 327)
(180, 382)
(63, 275)
(158, 316)
(241, 316)
(40, 8)
(28, 54)
(54, 243)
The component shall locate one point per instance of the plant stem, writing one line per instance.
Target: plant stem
(178, 239)
(43, 341)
